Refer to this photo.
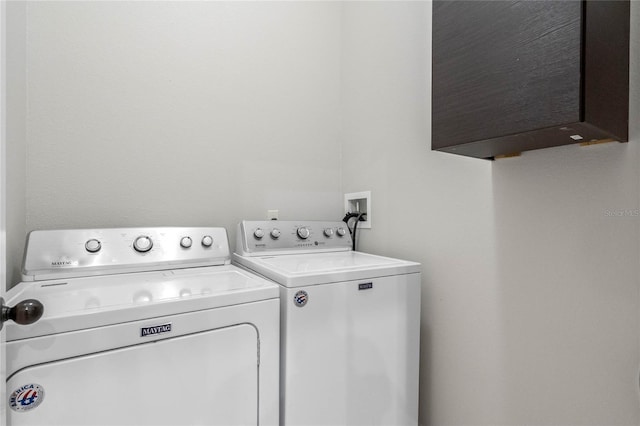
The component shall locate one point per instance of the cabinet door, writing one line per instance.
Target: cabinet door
(504, 67)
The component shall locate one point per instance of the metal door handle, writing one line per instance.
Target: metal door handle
(26, 312)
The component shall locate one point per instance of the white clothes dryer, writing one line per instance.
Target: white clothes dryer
(350, 324)
(142, 326)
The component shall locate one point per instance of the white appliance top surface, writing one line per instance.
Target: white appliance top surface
(321, 263)
(86, 302)
(321, 268)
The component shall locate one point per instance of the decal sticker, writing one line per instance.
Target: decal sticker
(365, 286)
(301, 298)
(155, 329)
(26, 397)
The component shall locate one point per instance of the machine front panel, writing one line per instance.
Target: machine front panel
(350, 352)
(208, 378)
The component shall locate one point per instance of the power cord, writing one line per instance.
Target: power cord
(359, 217)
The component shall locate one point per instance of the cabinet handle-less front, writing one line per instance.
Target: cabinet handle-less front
(26, 312)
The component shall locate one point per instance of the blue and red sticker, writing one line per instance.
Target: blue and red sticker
(26, 397)
(301, 298)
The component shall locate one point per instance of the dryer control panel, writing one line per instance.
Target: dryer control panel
(70, 253)
(261, 237)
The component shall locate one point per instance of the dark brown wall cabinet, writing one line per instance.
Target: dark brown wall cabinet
(512, 76)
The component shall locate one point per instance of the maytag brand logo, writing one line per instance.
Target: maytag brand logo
(64, 262)
(155, 329)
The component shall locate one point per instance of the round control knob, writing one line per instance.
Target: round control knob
(328, 232)
(207, 241)
(142, 244)
(275, 233)
(341, 232)
(303, 232)
(258, 233)
(185, 242)
(93, 245)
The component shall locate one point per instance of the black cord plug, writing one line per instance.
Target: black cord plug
(359, 217)
(349, 216)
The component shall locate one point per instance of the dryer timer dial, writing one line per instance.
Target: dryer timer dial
(93, 245)
(142, 244)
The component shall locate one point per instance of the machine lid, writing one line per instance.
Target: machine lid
(82, 303)
(322, 268)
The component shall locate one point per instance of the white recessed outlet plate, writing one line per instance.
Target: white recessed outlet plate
(359, 202)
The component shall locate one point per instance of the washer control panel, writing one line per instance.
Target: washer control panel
(289, 237)
(84, 252)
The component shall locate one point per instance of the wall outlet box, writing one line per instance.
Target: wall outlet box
(359, 202)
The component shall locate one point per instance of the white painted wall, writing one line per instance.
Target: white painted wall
(182, 113)
(530, 291)
(16, 132)
(429, 207)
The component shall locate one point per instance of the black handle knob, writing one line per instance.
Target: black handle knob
(25, 312)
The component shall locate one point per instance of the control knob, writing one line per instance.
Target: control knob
(303, 232)
(185, 242)
(93, 245)
(142, 244)
(207, 241)
(328, 232)
(275, 233)
(258, 233)
(341, 231)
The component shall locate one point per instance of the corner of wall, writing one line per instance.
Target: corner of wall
(16, 138)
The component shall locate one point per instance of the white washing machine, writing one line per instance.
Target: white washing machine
(350, 324)
(142, 326)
